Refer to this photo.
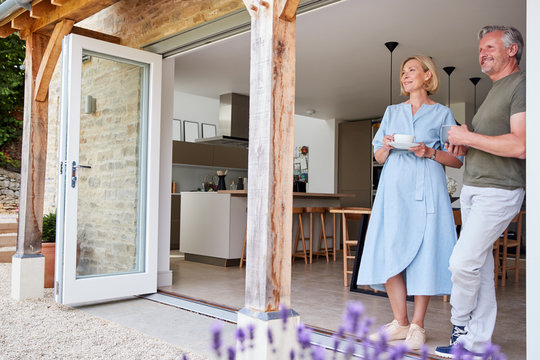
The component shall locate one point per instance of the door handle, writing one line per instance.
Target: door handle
(74, 167)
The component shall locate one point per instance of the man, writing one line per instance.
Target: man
(493, 191)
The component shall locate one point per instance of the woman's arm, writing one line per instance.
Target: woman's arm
(382, 153)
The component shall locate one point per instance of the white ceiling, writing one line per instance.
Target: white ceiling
(342, 68)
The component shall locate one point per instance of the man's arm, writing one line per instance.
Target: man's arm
(507, 145)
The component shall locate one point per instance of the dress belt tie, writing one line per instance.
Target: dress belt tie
(421, 170)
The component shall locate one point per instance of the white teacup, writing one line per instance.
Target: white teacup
(403, 138)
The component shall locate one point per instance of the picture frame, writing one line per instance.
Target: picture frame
(177, 130)
(208, 130)
(190, 130)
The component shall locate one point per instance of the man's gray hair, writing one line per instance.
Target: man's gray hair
(511, 36)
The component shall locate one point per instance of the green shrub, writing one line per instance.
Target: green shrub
(49, 228)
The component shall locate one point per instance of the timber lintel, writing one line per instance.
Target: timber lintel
(289, 10)
(95, 35)
(50, 58)
(23, 21)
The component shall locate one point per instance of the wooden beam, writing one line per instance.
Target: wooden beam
(22, 21)
(271, 140)
(39, 9)
(6, 30)
(34, 153)
(75, 10)
(50, 58)
(59, 2)
(288, 13)
(95, 35)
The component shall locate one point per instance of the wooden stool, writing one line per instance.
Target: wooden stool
(243, 256)
(503, 243)
(300, 233)
(333, 236)
(321, 211)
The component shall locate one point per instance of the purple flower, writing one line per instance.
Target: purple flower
(291, 354)
(284, 314)
(352, 317)
(303, 335)
(336, 341)
(317, 352)
(184, 357)
(241, 337)
(216, 337)
(251, 334)
(349, 350)
(458, 351)
(270, 336)
(397, 352)
(424, 350)
(492, 351)
(231, 353)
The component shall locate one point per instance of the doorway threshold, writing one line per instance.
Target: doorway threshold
(319, 336)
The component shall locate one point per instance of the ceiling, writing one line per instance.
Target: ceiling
(343, 67)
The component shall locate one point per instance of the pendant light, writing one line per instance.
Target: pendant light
(391, 45)
(449, 70)
(475, 81)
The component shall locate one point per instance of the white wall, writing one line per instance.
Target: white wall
(196, 108)
(533, 177)
(319, 135)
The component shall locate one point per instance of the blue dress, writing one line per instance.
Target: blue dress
(411, 229)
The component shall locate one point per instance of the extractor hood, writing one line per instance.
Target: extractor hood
(233, 125)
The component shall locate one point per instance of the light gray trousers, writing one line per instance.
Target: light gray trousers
(485, 214)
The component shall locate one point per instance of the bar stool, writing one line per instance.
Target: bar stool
(321, 211)
(300, 234)
(243, 256)
(333, 236)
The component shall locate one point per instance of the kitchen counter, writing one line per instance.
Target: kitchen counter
(212, 224)
(295, 194)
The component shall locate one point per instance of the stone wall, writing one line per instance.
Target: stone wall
(9, 191)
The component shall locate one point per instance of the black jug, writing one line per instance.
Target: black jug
(221, 183)
(240, 185)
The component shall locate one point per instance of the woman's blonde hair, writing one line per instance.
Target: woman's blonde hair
(432, 84)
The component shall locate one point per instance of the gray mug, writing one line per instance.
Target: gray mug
(444, 133)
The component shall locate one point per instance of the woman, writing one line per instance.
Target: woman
(411, 232)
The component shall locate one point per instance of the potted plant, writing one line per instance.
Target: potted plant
(48, 247)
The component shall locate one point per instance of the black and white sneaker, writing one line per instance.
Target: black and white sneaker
(457, 331)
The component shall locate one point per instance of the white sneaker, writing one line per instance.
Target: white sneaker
(416, 337)
(393, 331)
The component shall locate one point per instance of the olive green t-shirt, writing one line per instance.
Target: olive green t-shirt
(506, 98)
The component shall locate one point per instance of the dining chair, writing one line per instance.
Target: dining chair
(500, 249)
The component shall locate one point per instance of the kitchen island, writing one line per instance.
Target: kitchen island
(212, 224)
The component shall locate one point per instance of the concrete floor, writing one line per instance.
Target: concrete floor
(319, 296)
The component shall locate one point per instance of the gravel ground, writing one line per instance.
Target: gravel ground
(43, 329)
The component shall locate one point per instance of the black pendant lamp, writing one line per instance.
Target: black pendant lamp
(475, 81)
(391, 45)
(449, 70)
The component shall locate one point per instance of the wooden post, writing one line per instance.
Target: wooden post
(271, 137)
(34, 152)
(270, 172)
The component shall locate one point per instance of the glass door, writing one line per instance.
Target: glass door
(107, 231)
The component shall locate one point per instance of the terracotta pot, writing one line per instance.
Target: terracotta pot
(48, 251)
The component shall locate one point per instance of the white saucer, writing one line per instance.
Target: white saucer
(402, 146)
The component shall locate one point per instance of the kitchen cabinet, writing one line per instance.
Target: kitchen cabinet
(188, 153)
(355, 162)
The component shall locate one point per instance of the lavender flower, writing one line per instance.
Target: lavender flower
(216, 337)
(184, 357)
(284, 314)
(303, 335)
(424, 350)
(397, 352)
(270, 336)
(317, 352)
(352, 317)
(241, 337)
(291, 354)
(349, 350)
(231, 353)
(251, 335)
